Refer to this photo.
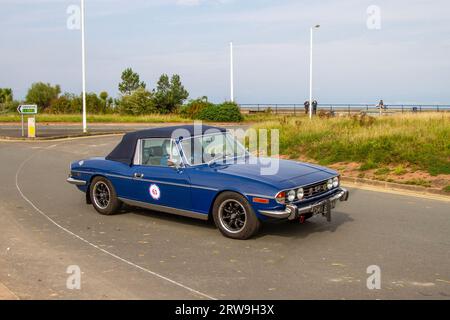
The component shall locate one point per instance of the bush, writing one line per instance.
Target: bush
(61, 105)
(10, 106)
(42, 94)
(140, 102)
(194, 107)
(70, 103)
(225, 112)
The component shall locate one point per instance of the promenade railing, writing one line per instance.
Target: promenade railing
(341, 108)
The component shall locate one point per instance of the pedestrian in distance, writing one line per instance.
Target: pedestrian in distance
(381, 106)
(306, 104)
(314, 105)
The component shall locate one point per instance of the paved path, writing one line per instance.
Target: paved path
(45, 226)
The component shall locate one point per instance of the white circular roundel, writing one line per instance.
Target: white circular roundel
(155, 192)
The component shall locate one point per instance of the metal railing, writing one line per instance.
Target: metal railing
(343, 108)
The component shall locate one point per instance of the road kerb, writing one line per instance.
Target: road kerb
(396, 188)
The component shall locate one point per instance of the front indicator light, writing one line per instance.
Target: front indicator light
(281, 197)
(261, 200)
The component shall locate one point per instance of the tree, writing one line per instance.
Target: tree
(179, 93)
(42, 94)
(169, 94)
(130, 82)
(106, 102)
(7, 103)
(104, 95)
(6, 95)
(140, 102)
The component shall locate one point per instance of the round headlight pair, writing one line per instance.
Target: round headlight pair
(330, 184)
(291, 195)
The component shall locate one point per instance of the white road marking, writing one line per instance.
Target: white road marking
(93, 245)
(427, 196)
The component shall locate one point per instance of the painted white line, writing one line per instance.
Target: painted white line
(198, 293)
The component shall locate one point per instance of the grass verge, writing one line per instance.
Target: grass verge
(102, 118)
(117, 118)
(420, 141)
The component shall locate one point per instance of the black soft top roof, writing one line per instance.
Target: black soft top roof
(124, 152)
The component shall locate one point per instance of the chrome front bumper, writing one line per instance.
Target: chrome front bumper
(293, 212)
(76, 182)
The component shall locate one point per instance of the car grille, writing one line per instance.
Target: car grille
(315, 189)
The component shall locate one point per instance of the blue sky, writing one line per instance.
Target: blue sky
(406, 61)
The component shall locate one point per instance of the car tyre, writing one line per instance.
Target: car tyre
(104, 196)
(234, 216)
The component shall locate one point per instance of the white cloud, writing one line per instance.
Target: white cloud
(188, 2)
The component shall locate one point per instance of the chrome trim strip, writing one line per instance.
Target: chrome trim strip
(116, 176)
(205, 188)
(83, 172)
(147, 180)
(281, 214)
(176, 184)
(76, 182)
(170, 210)
(259, 196)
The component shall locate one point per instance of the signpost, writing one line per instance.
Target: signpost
(29, 110)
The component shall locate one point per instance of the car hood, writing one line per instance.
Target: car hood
(284, 174)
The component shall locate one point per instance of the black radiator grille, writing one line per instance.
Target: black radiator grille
(315, 189)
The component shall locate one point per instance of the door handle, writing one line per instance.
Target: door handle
(139, 175)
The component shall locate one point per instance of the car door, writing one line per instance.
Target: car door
(154, 181)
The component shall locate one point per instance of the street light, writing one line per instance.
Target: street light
(83, 67)
(311, 73)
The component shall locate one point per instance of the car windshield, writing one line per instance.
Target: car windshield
(212, 148)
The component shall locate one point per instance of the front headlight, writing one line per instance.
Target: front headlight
(291, 195)
(300, 194)
(330, 184)
(336, 182)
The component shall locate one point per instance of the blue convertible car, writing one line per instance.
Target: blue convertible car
(204, 172)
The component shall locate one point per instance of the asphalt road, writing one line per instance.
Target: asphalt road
(45, 226)
(43, 130)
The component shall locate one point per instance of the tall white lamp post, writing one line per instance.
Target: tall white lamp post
(83, 66)
(231, 73)
(311, 73)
